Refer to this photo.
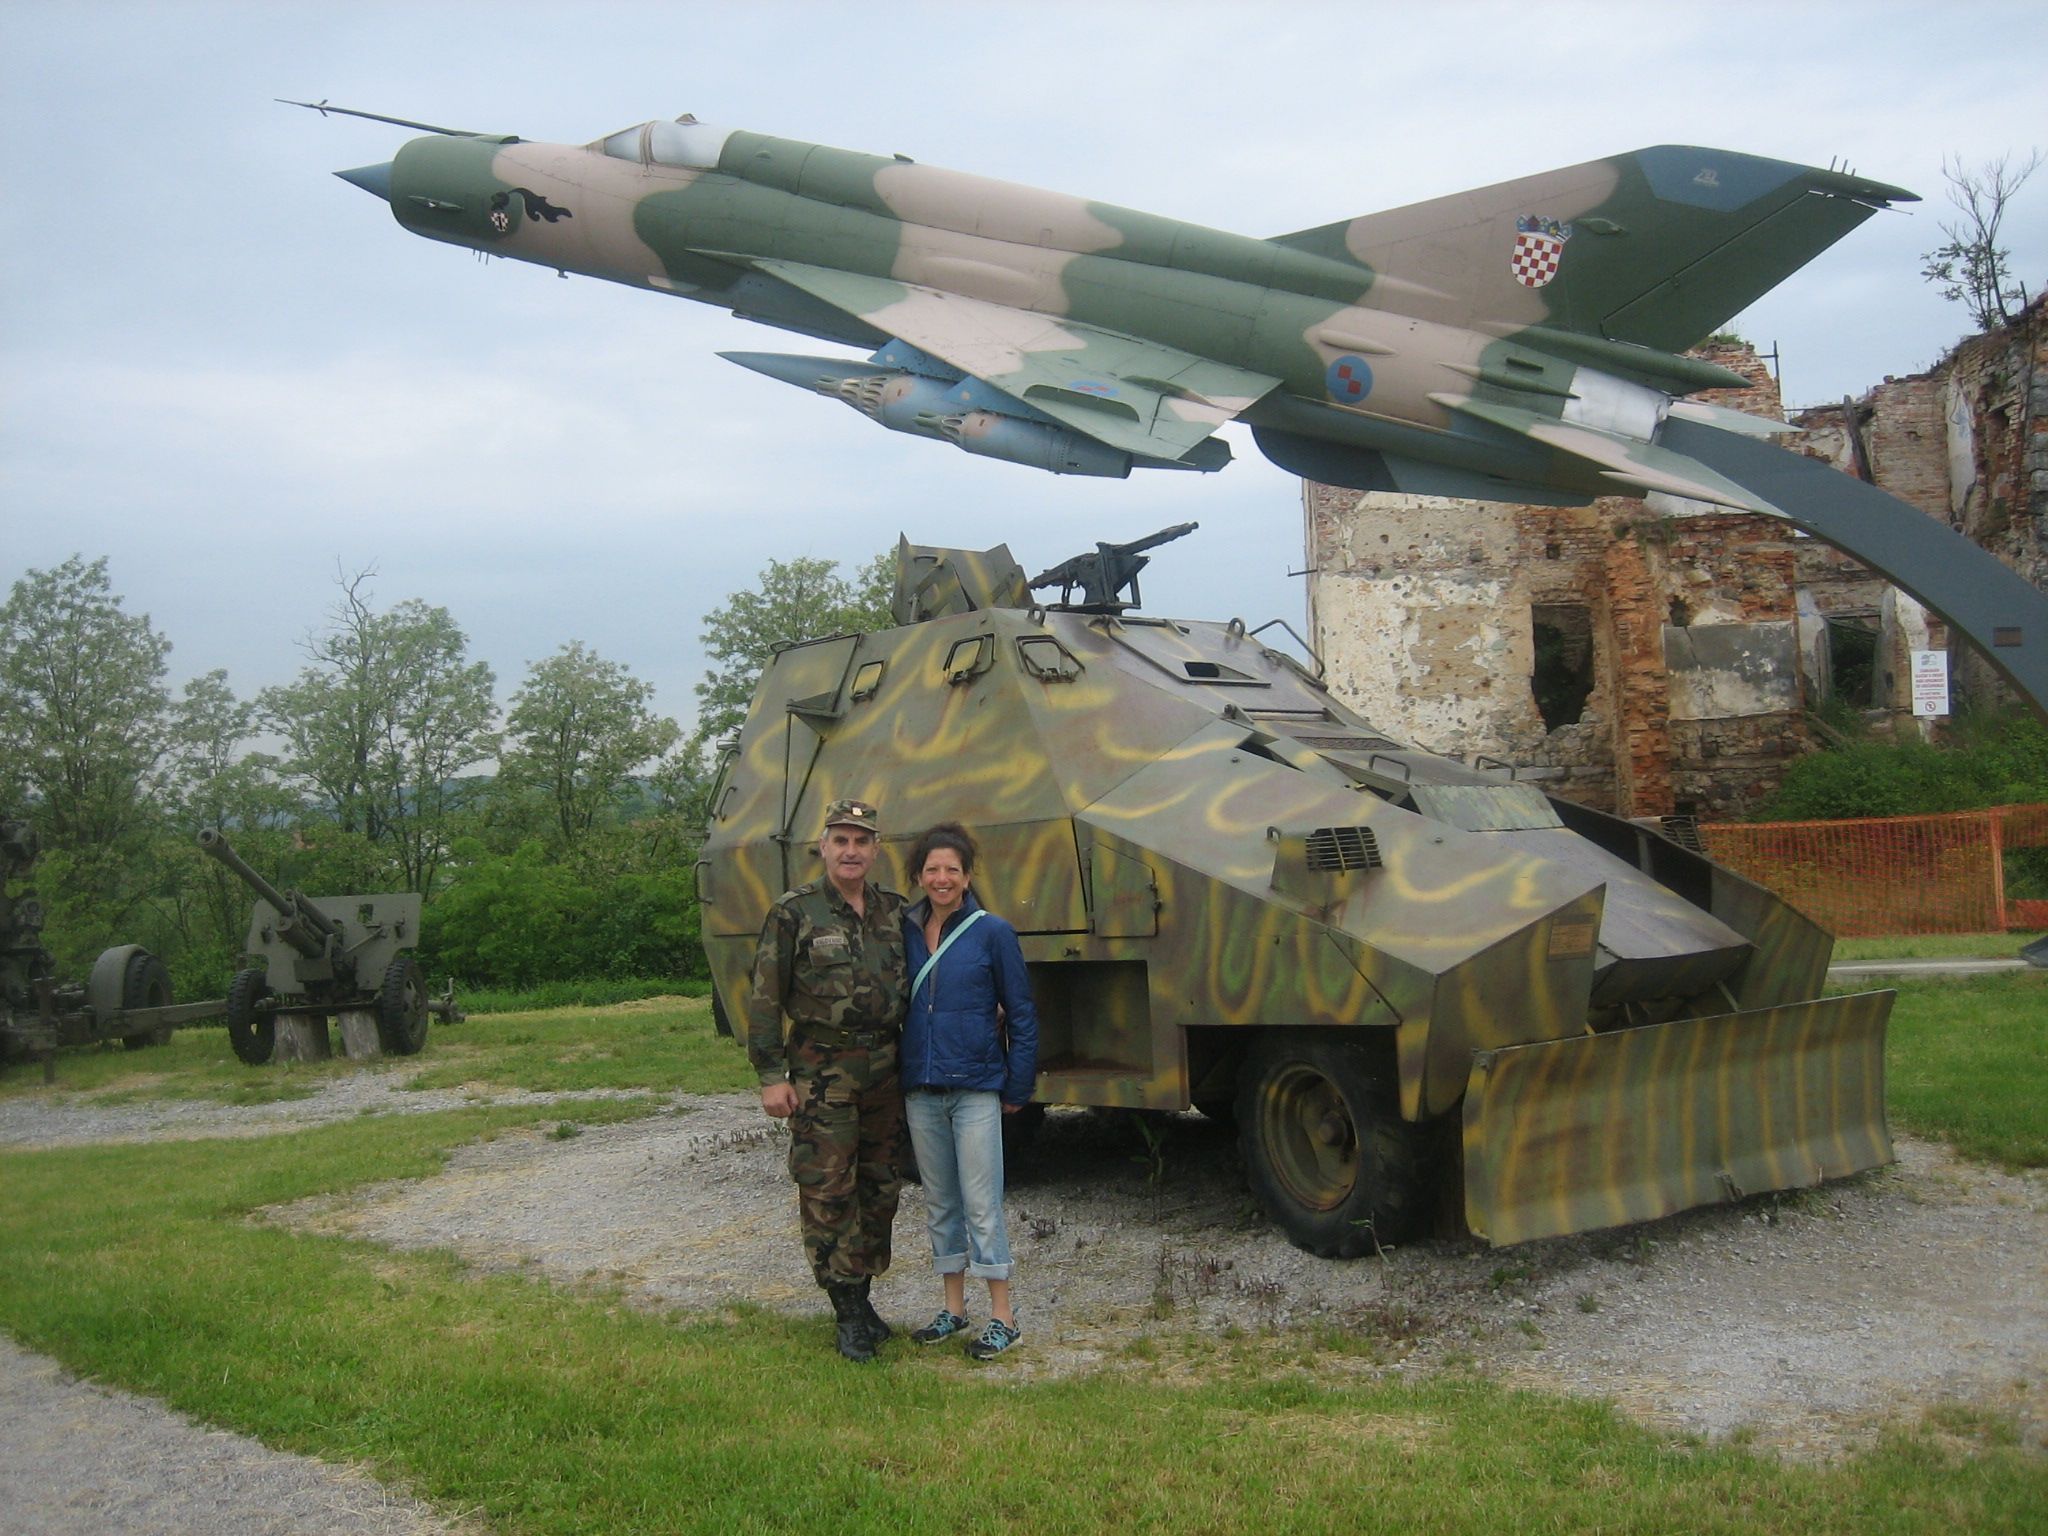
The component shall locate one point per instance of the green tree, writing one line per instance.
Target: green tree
(84, 710)
(800, 599)
(524, 918)
(212, 783)
(578, 728)
(1971, 267)
(383, 724)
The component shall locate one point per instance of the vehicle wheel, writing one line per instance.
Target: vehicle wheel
(1325, 1148)
(145, 984)
(402, 1008)
(720, 1019)
(252, 1037)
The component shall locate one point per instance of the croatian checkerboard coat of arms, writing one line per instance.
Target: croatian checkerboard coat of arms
(1539, 248)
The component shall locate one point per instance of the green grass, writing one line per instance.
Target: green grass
(194, 1064)
(545, 1411)
(661, 1044)
(1936, 946)
(1964, 1063)
(576, 994)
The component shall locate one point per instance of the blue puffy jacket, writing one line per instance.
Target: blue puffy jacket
(950, 1038)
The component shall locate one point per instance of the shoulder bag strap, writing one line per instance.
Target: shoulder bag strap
(945, 944)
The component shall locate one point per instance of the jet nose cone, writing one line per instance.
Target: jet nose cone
(374, 179)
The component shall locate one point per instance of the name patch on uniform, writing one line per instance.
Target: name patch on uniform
(828, 948)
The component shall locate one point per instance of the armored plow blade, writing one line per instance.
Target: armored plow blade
(1600, 1130)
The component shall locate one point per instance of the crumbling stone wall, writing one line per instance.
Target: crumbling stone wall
(1427, 610)
(1430, 614)
(1967, 443)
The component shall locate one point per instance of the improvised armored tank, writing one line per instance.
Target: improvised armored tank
(1402, 975)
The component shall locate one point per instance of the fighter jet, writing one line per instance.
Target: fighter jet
(1523, 342)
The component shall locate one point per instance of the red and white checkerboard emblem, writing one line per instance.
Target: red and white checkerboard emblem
(1535, 260)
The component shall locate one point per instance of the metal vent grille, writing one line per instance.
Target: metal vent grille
(1343, 848)
(1350, 743)
(1684, 831)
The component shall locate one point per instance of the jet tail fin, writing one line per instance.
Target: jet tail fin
(1658, 247)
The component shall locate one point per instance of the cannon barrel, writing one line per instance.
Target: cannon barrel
(301, 924)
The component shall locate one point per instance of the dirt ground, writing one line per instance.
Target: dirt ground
(1804, 1322)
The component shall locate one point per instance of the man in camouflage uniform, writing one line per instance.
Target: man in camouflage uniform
(831, 960)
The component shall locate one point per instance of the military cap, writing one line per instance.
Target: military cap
(852, 813)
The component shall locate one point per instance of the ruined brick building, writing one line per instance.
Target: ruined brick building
(1661, 656)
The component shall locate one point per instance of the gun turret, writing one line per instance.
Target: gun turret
(300, 924)
(1103, 575)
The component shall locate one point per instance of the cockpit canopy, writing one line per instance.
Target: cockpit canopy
(685, 142)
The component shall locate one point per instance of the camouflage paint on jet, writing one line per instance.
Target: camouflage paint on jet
(1520, 342)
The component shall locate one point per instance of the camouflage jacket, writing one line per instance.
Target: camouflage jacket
(818, 963)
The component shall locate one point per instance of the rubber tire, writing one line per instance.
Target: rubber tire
(145, 984)
(402, 1008)
(253, 1039)
(1325, 1149)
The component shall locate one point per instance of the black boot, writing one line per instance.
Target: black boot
(879, 1332)
(854, 1342)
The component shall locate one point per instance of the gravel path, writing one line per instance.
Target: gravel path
(1807, 1323)
(77, 1458)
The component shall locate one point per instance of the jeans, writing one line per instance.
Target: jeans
(958, 1136)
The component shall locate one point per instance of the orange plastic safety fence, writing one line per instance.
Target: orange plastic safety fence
(1892, 875)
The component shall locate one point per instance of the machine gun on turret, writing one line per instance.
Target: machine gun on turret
(1103, 575)
(346, 957)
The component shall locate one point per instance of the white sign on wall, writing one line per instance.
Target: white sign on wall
(1930, 683)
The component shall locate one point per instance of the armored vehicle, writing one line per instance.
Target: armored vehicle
(1425, 991)
(345, 957)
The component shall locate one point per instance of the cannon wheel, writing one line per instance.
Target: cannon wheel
(402, 1008)
(1325, 1148)
(145, 984)
(253, 1039)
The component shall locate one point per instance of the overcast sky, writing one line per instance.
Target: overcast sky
(235, 376)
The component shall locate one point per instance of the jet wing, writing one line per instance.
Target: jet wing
(1138, 396)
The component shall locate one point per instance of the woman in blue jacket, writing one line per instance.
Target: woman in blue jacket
(969, 1057)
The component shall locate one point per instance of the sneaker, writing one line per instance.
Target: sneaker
(993, 1340)
(944, 1326)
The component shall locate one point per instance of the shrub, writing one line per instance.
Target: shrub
(1996, 760)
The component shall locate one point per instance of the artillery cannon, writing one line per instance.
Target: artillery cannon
(322, 957)
(127, 996)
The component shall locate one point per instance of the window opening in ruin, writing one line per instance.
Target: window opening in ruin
(1681, 612)
(1562, 679)
(1852, 658)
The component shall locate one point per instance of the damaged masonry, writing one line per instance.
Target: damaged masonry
(1657, 658)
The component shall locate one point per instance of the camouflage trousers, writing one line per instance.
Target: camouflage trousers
(847, 1152)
